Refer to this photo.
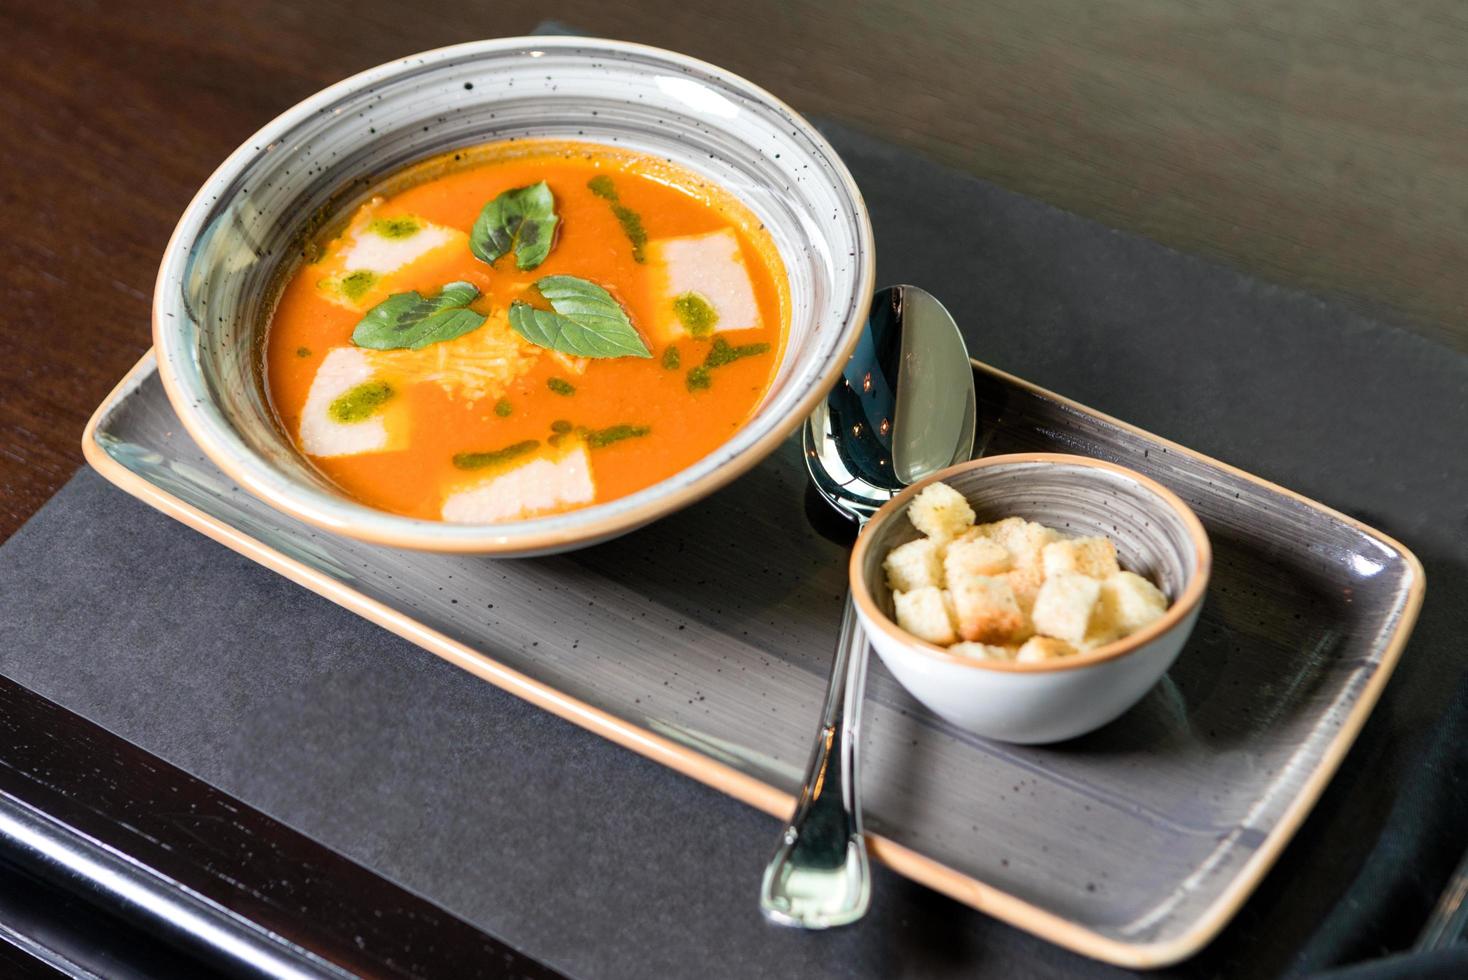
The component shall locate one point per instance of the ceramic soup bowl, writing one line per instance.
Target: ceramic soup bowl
(1156, 536)
(239, 240)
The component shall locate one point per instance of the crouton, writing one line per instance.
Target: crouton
(1093, 557)
(971, 533)
(1011, 588)
(997, 530)
(966, 558)
(986, 609)
(982, 651)
(924, 613)
(1026, 584)
(940, 512)
(1024, 539)
(1128, 603)
(1041, 648)
(914, 565)
(1064, 604)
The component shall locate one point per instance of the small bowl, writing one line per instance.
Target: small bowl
(239, 239)
(1156, 535)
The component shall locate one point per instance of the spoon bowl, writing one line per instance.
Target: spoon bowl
(903, 408)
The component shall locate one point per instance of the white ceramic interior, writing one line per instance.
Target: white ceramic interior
(1156, 535)
(241, 235)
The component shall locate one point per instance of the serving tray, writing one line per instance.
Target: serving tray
(703, 642)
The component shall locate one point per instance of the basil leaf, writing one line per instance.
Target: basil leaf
(584, 321)
(523, 219)
(408, 320)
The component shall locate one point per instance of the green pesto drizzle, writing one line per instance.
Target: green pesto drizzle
(725, 353)
(598, 438)
(601, 185)
(478, 461)
(560, 427)
(303, 352)
(360, 403)
(631, 223)
(720, 354)
(503, 408)
(404, 227)
(671, 359)
(354, 285)
(560, 386)
(696, 313)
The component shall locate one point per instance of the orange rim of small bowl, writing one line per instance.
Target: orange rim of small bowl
(1182, 607)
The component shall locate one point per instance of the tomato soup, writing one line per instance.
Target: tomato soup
(525, 328)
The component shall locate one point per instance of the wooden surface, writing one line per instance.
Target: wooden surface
(1321, 143)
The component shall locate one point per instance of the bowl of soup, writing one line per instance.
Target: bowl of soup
(512, 297)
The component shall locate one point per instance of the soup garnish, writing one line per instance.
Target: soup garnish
(1011, 589)
(526, 328)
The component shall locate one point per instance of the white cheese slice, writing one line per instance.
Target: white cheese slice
(711, 268)
(344, 369)
(360, 268)
(383, 254)
(547, 483)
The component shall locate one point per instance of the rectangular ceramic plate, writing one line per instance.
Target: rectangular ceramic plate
(704, 641)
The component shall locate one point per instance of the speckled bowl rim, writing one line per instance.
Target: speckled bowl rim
(1182, 607)
(375, 526)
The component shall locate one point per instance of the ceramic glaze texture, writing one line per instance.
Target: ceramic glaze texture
(1032, 709)
(242, 233)
(703, 642)
(1155, 536)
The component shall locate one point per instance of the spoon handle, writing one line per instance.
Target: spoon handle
(819, 876)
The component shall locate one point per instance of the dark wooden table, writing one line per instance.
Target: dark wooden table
(1321, 143)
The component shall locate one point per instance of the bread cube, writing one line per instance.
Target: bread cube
(986, 609)
(940, 512)
(1026, 584)
(997, 530)
(1128, 603)
(1094, 557)
(982, 651)
(968, 557)
(914, 565)
(1041, 648)
(924, 613)
(1064, 604)
(1024, 539)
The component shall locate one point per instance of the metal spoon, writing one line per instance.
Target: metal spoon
(905, 408)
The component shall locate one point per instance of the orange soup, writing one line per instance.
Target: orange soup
(525, 328)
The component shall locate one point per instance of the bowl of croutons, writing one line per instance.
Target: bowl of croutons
(1034, 597)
